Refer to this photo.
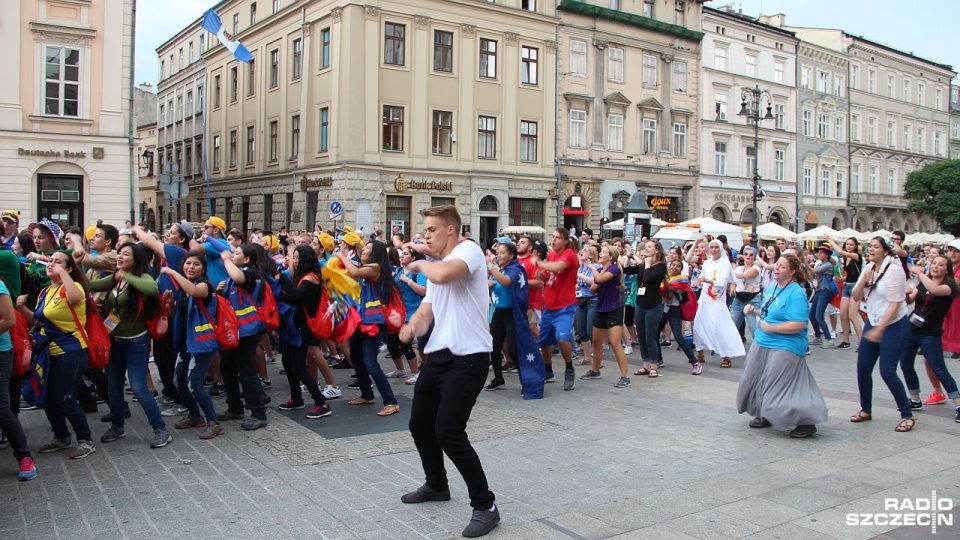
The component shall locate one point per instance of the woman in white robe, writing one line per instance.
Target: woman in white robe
(713, 327)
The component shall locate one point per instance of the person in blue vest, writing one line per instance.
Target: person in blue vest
(245, 291)
(212, 242)
(11, 227)
(196, 340)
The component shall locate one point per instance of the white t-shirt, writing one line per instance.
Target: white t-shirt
(890, 289)
(460, 307)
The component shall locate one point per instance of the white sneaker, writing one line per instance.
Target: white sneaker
(383, 347)
(833, 335)
(413, 379)
(628, 350)
(397, 374)
(331, 392)
(176, 410)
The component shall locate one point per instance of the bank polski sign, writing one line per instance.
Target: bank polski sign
(932, 512)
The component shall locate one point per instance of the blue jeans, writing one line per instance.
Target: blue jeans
(363, 351)
(672, 317)
(932, 349)
(66, 373)
(647, 321)
(131, 357)
(888, 351)
(9, 422)
(586, 313)
(190, 371)
(817, 308)
(736, 311)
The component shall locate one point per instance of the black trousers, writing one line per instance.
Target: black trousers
(238, 369)
(501, 327)
(442, 402)
(294, 360)
(165, 358)
(396, 348)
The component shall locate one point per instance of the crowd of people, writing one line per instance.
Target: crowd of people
(534, 300)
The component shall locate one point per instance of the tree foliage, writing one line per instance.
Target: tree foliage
(935, 190)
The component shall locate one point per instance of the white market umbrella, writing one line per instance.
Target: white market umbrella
(656, 222)
(771, 231)
(814, 234)
(711, 225)
(615, 224)
(848, 232)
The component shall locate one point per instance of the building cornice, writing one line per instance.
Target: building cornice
(629, 19)
(60, 33)
(748, 21)
(820, 54)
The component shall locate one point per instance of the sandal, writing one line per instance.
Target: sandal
(905, 425)
(361, 401)
(641, 372)
(653, 373)
(389, 409)
(726, 363)
(861, 417)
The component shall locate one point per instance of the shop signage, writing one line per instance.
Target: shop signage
(661, 203)
(732, 198)
(401, 184)
(50, 153)
(307, 183)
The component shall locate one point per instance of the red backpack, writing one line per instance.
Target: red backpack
(267, 311)
(22, 348)
(322, 321)
(395, 312)
(94, 333)
(226, 326)
(158, 325)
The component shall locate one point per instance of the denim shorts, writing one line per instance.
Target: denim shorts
(848, 290)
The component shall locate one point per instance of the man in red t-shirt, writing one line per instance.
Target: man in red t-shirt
(559, 305)
(526, 256)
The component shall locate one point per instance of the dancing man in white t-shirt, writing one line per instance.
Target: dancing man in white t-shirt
(459, 351)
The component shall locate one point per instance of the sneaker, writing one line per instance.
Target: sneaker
(176, 410)
(229, 415)
(628, 350)
(188, 422)
(155, 395)
(55, 445)
(808, 351)
(266, 383)
(935, 399)
(253, 424)
(218, 389)
(660, 364)
(826, 344)
(291, 405)
(28, 469)
(482, 522)
(665, 343)
(207, 381)
(353, 384)
(590, 375)
(396, 374)
(165, 400)
(413, 379)
(759, 422)
(569, 379)
(161, 438)
(113, 434)
(916, 404)
(802, 432)
(957, 419)
(383, 347)
(549, 377)
(843, 345)
(426, 493)
(270, 359)
(585, 361)
(512, 368)
(833, 335)
(494, 384)
(319, 411)
(84, 449)
(212, 431)
(622, 383)
(331, 392)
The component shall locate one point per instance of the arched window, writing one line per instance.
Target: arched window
(488, 204)
(747, 216)
(837, 224)
(776, 218)
(719, 214)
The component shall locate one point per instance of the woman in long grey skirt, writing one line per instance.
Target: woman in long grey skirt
(776, 387)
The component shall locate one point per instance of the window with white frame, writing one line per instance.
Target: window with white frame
(807, 181)
(805, 77)
(179, 108)
(938, 98)
(873, 179)
(872, 130)
(275, 68)
(955, 130)
(216, 152)
(528, 141)
(839, 193)
(892, 181)
(838, 129)
(779, 68)
(779, 164)
(891, 82)
(780, 115)
(528, 5)
(891, 134)
(615, 132)
(394, 44)
(720, 158)
(578, 58)
(61, 88)
(649, 136)
(907, 136)
(838, 85)
(189, 110)
(751, 160)
(297, 59)
(920, 91)
(822, 82)
(615, 64)
(855, 178)
(750, 67)
(528, 65)
(719, 57)
(650, 70)
(276, 6)
(855, 77)
(648, 8)
(720, 105)
(236, 23)
(807, 123)
(578, 128)
(937, 149)
(824, 183)
(325, 48)
(855, 127)
(872, 81)
(486, 137)
(679, 139)
(823, 126)
(921, 140)
(680, 77)
(678, 7)
(907, 90)
(615, 4)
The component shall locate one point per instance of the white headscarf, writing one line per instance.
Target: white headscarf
(718, 270)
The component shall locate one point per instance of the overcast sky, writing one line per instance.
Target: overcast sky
(924, 27)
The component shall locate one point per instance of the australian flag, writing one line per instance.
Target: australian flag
(530, 361)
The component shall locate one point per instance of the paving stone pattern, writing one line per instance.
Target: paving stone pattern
(666, 458)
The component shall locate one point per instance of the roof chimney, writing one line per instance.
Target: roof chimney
(146, 87)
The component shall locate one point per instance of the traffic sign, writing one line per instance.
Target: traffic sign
(335, 217)
(336, 208)
(179, 189)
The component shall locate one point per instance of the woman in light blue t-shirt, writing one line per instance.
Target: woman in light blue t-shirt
(777, 387)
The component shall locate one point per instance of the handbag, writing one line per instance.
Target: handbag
(158, 324)
(226, 326)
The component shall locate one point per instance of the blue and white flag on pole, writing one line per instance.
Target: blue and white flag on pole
(211, 23)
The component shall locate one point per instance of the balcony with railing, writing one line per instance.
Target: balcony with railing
(877, 200)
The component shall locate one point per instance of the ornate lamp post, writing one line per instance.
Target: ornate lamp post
(751, 105)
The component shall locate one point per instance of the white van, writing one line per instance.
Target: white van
(671, 235)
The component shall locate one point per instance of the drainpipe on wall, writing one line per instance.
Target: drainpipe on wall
(134, 159)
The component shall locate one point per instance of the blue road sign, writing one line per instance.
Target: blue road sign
(336, 207)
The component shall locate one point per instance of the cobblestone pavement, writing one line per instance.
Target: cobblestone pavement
(666, 458)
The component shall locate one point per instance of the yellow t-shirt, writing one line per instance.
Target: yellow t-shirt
(57, 321)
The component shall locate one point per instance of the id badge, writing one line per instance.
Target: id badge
(111, 322)
(641, 291)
